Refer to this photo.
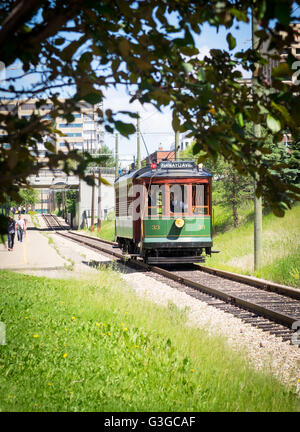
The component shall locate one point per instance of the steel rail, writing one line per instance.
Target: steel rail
(274, 315)
(255, 282)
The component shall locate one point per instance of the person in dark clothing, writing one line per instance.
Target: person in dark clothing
(11, 232)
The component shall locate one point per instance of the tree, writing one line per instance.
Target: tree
(108, 159)
(231, 188)
(148, 46)
(28, 197)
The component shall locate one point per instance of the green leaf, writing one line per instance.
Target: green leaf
(240, 16)
(231, 41)
(105, 182)
(240, 119)
(278, 212)
(281, 71)
(273, 124)
(59, 41)
(201, 74)
(49, 146)
(93, 98)
(283, 12)
(125, 129)
(187, 67)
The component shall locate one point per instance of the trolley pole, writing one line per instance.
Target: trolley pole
(99, 199)
(257, 134)
(93, 202)
(138, 143)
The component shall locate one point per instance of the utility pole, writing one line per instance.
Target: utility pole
(117, 155)
(93, 201)
(99, 196)
(138, 142)
(177, 139)
(257, 134)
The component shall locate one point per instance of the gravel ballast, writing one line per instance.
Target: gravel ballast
(264, 350)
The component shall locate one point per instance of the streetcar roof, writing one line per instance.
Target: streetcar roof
(180, 169)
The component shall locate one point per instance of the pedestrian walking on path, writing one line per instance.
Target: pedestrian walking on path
(21, 227)
(11, 232)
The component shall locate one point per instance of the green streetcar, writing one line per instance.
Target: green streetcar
(164, 213)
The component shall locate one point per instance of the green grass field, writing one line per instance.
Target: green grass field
(281, 251)
(75, 345)
(107, 231)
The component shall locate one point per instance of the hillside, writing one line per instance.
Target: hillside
(281, 252)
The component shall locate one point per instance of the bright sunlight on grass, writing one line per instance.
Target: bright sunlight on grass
(281, 251)
(94, 346)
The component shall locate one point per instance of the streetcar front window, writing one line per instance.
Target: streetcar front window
(178, 199)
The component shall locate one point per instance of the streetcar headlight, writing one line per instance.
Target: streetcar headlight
(179, 222)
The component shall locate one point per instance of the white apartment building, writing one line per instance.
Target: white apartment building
(83, 134)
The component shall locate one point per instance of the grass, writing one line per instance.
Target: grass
(95, 346)
(281, 253)
(107, 231)
(3, 239)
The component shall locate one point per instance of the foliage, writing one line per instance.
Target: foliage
(147, 46)
(229, 186)
(109, 160)
(98, 347)
(280, 254)
(70, 203)
(28, 197)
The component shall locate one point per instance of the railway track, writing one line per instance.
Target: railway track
(270, 307)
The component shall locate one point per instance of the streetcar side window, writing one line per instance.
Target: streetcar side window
(200, 199)
(156, 200)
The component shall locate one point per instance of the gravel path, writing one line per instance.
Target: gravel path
(263, 350)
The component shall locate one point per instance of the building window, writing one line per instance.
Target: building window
(47, 107)
(87, 118)
(28, 106)
(67, 125)
(8, 107)
(73, 134)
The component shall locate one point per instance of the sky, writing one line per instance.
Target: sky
(156, 127)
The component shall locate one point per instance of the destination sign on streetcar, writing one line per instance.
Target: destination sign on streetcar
(176, 165)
